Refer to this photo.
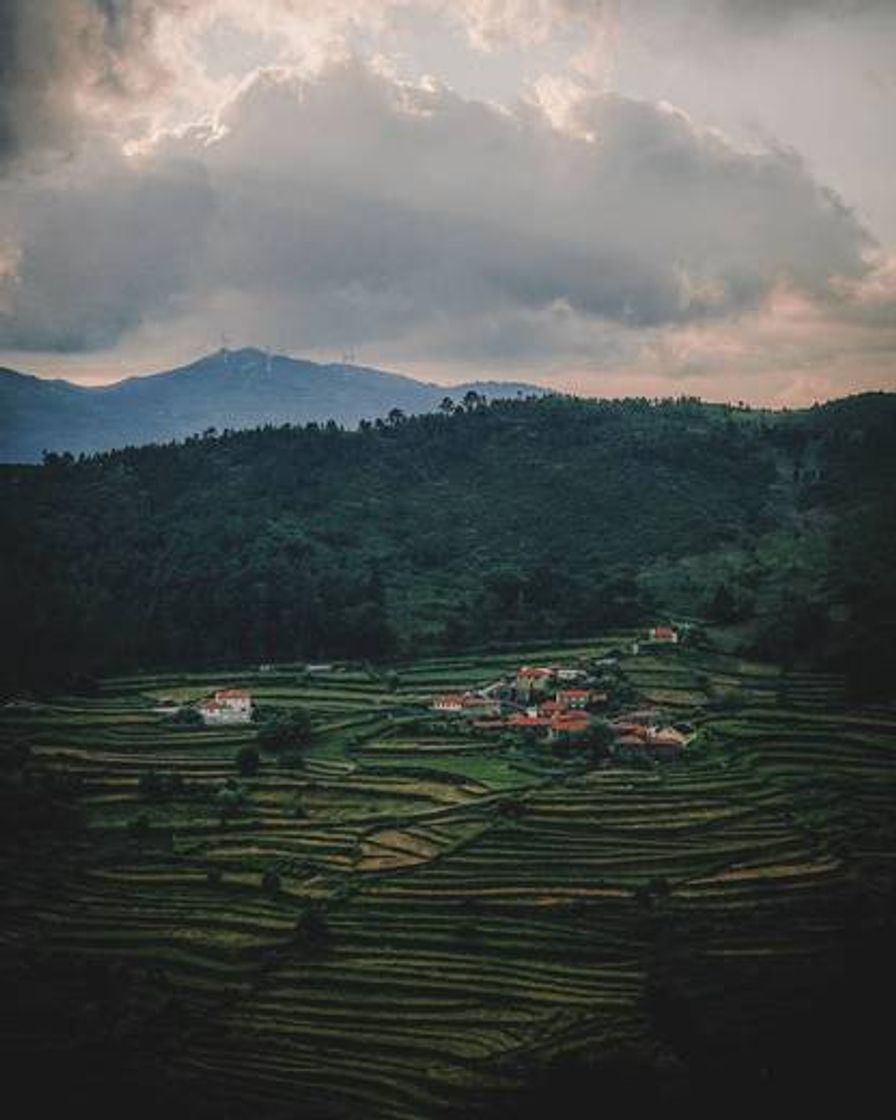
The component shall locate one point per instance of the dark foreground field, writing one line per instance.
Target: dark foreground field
(415, 925)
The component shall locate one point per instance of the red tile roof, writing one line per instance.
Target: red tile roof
(625, 729)
(232, 694)
(520, 720)
(453, 698)
(668, 737)
(570, 721)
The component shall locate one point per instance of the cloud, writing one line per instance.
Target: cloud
(355, 209)
(319, 203)
(777, 11)
(72, 67)
(792, 350)
(59, 59)
(90, 259)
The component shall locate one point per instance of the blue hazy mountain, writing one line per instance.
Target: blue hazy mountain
(227, 389)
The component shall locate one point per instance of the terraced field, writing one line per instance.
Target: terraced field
(412, 922)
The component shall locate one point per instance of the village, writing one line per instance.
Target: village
(571, 704)
(580, 704)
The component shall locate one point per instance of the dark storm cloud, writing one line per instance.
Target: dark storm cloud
(56, 56)
(99, 256)
(354, 203)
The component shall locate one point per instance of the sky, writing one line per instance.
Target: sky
(609, 197)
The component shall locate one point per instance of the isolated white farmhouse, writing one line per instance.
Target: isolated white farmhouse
(227, 706)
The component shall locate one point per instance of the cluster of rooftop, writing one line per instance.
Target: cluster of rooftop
(562, 702)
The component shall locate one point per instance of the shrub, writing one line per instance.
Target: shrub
(158, 787)
(285, 730)
(313, 930)
(185, 717)
(247, 761)
(140, 827)
(270, 883)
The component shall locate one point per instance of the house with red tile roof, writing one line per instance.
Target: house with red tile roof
(449, 703)
(465, 704)
(668, 737)
(227, 706)
(663, 634)
(573, 697)
(536, 672)
(625, 727)
(526, 720)
(568, 725)
(649, 739)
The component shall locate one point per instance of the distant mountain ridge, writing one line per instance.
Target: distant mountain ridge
(228, 389)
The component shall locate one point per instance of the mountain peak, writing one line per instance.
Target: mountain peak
(224, 389)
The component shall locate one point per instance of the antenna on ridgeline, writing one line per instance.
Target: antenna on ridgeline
(225, 352)
(348, 356)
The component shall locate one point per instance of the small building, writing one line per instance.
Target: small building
(522, 721)
(666, 743)
(227, 706)
(648, 740)
(663, 634)
(571, 675)
(629, 741)
(450, 703)
(573, 698)
(465, 704)
(475, 704)
(531, 679)
(625, 729)
(568, 725)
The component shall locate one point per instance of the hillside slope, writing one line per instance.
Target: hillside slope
(519, 520)
(226, 390)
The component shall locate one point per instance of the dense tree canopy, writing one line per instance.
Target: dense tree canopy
(466, 527)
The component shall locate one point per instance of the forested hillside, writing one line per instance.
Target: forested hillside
(541, 518)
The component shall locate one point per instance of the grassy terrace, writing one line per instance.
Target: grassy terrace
(465, 941)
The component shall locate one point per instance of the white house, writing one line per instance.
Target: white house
(452, 702)
(571, 675)
(465, 703)
(227, 706)
(663, 634)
